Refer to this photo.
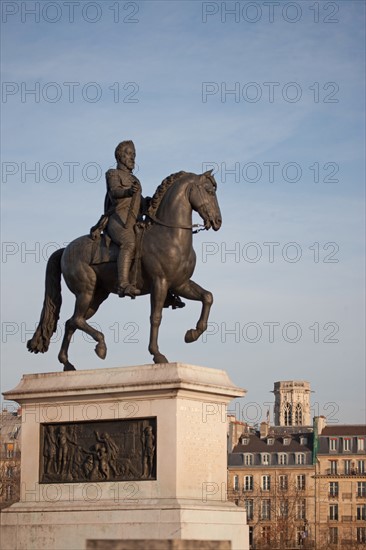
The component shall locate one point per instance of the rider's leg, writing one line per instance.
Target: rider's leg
(125, 258)
(125, 239)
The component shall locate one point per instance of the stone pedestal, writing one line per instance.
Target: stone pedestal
(183, 498)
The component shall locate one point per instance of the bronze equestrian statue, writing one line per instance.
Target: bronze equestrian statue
(162, 260)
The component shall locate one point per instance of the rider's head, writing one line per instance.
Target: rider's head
(125, 154)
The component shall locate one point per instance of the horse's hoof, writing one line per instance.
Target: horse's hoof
(191, 336)
(68, 366)
(159, 358)
(101, 350)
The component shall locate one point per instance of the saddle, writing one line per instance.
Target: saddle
(106, 251)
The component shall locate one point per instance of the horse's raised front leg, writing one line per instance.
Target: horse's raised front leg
(193, 291)
(157, 300)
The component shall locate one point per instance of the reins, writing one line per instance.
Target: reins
(199, 226)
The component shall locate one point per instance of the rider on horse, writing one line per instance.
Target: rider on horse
(122, 206)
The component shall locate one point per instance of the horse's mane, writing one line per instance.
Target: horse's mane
(161, 190)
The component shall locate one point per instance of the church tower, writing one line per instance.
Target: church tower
(292, 403)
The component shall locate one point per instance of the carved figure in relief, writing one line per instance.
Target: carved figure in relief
(148, 449)
(88, 466)
(50, 450)
(64, 452)
(111, 448)
(102, 455)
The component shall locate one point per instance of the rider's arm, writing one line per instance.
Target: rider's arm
(115, 188)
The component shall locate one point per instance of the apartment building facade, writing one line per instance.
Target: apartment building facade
(302, 483)
(270, 474)
(340, 474)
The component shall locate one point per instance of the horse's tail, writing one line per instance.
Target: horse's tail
(51, 306)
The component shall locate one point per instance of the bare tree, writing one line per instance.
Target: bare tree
(277, 515)
(9, 480)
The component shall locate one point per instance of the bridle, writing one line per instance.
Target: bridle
(197, 227)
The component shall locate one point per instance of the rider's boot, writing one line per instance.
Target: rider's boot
(125, 288)
(173, 301)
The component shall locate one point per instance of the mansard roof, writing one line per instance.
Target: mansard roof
(258, 445)
(344, 429)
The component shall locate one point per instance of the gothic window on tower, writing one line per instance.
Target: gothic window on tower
(288, 414)
(298, 415)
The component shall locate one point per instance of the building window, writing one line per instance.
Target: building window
(286, 440)
(332, 444)
(251, 529)
(266, 534)
(361, 488)
(299, 537)
(266, 483)
(333, 535)
(282, 458)
(249, 507)
(333, 467)
(248, 483)
(9, 492)
(236, 483)
(298, 415)
(300, 482)
(361, 512)
(248, 459)
(361, 534)
(266, 509)
(287, 414)
(270, 441)
(303, 440)
(244, 441)
(299, 458)
(9, 471)
(347, 467)
(360, 444)
(265, 458)
(333, 488)
(360, 466)
(283, 483)
(346, 444)
(301, 509)
(9, 450)
(284, 508)
(333, 512)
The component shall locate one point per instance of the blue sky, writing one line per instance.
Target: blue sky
(174, 73)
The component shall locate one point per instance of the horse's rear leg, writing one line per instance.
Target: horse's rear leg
(157, 299)
(193, 291)
(63, 356)
(88, 303)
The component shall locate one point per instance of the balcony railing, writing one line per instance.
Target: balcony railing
(353, 472)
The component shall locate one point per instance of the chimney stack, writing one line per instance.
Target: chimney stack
(264, 428)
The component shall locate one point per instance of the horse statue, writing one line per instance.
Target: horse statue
(164, 263)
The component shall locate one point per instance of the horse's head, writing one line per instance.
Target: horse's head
(204, 200)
